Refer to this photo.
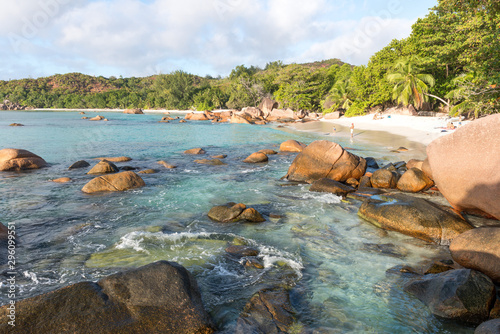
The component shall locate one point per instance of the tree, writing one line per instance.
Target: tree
(410, 86)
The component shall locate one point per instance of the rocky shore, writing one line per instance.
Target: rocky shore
(450, 199)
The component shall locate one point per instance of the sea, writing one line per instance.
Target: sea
(343, 274)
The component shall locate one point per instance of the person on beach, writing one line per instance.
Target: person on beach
(352, 129)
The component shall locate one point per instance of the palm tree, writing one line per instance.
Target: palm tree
(410, 86)
(340, 94)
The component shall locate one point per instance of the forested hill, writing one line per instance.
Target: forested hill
(451, 60)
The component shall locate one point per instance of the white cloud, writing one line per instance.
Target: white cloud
(137, 37)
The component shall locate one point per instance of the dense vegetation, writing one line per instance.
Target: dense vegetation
(451, 59)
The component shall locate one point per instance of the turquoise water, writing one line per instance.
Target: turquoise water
(317, 246)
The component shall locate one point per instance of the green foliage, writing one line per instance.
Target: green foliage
(358, 108)
(410, 86)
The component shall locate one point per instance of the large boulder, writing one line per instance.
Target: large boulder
(384, 179)
(415, 217)
(239, 119)
(414, 180)
(268, 311)
(103, 167)
(465, 164)
(162, 297)
(479, 249)
(292, 146)
(114, 182)
(332, 115)
(464, 295)
(280, 114)
(12, 159)
(325, 159)
(267, 105)
(196, 117)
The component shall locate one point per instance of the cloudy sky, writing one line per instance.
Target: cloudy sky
(144, 37)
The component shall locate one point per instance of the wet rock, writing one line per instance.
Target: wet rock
(211, 162)
(79, 164)
(331, 186)
(16, 160)
(195, 151)
(115, 159)
(114, 182)
(253, 263)
(479, 249)
(292, 146)
(256, 157)
(437, 267)
(128, 168)
(232, 212)
(414, 180)
(268, 311)
(147, 171)
(352, 182)
(97, 118)
(104, 167)
(325, 159)
(16, 124)
(242, 251)
(463, 294)
(386, 249)
(162, 297)
(62, 180)
(268, 152)
(489, 327)
(415, 217)
(384, 178)
(371, 163)
(166, 164)
(465, 164)
(220, 156)
(365, 182)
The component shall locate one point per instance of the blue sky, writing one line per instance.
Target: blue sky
(145, 37)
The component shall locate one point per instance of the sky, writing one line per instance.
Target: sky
(139, 38)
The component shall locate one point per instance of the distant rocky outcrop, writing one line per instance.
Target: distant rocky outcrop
(136, 111)
(16, 160)
(162, 297)
(465, 164)
(114, 182)
(8, 105)
(325, 159)
(415, 217)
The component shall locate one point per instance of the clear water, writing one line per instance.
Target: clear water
(318, 247)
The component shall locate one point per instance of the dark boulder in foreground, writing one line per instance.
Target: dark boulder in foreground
(489, 327)
(114, 182)
(161, 297)
(479, 249)
(232, 212)
(16, 160)
(465, 164)
(464, 295)
(415, 217)
(268, 311)
(325, 159)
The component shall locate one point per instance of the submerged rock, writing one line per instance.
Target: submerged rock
(489, 327)
(232, 212)
(268, 311)
(195, 151)
(16, 160)
(415, 217)
(242, 251)
(115, 159)
(114, 182)
(479, 249)
(62, 180)
(325, 159)
(463, 294)
(211, 162)
(331, 186)
(160, 297)
(166, 164)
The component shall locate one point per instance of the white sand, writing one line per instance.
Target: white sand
(416, 128)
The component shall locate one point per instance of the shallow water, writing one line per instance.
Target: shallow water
(319, 248)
